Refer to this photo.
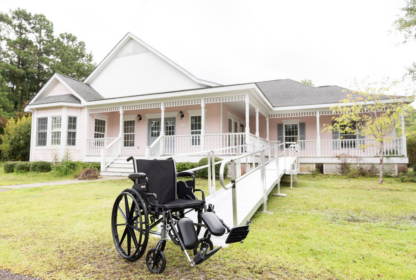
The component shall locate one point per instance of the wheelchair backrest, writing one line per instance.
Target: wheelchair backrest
(161, 175)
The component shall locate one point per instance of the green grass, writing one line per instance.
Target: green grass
(326, 228)
(29, 177)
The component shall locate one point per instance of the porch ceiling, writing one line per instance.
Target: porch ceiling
(240, 107)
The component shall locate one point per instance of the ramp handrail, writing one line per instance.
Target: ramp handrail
(260, 165)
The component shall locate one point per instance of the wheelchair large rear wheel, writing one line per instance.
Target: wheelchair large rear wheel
(130, 225)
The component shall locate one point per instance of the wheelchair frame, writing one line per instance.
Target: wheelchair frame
(141, 216)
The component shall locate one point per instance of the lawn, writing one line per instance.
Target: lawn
(326, 228)
(29, 177)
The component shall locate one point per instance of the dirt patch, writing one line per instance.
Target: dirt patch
(89, 174)
(6, 275)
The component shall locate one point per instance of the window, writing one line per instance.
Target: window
(56, 131)
(196, 130)
(291, 134)
(348, 136)
(230, 125)
(129, 133)
(235, 127)
(155, 129)
(72, 131)
(99, 129)
(42, 131)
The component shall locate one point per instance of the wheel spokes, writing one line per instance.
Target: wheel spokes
(126, 202)
(122, 214)
(124, 236)
(133, 236)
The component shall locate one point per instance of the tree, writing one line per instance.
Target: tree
(71, 57)
(406, 24)
(308, 82)
(16, 139)
(6, 106)
(375, 112)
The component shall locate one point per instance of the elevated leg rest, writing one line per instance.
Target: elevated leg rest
(203, 255)
(187, 233)
(213, 224)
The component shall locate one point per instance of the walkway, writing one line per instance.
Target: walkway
(249, 196)
(57, 183)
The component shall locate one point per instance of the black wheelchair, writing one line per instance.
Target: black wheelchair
(158, 198)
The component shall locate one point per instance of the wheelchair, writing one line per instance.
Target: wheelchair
(158, 198)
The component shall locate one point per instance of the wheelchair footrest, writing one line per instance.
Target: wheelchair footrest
(237, 234)
(203, 255)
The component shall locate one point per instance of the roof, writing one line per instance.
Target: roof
(84, 90)
(67, 98)
(287, 92)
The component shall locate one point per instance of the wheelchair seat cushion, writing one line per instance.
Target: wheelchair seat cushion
(183, 204)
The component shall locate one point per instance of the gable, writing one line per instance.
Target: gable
(136, 70)
(58, 89)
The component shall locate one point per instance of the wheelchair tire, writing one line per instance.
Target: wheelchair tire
(203, 243)
(132, 224)
(155, 261)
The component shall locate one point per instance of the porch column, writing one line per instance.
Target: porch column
(257, 122)
(202, 124)
(404, 144)
(120, 134)
(87, 132)
(64, 130)
(318, 136)
(162, 127)
(247, 119)
(267, 128)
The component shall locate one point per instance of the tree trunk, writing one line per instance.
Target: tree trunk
(380, 180)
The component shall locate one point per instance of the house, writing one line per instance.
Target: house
(138, 102)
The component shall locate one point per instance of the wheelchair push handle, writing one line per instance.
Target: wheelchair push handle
(129, 159)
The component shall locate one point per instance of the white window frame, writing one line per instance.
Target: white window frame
(290, 121)
(76, 131)
(56, 130)
(43, 131)
(134, 132)
(105, 127)
(190, 129)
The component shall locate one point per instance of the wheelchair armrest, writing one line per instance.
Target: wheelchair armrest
(155, 196)
(185, 174)
(139, 175)
(203, 195)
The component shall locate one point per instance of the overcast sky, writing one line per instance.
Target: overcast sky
(235, 41)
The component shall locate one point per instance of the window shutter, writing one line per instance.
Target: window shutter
(302, 135)
(280, 133)
(335, 136)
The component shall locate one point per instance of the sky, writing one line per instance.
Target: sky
(240, 41)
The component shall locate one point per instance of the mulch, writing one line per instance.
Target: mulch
(6, 275)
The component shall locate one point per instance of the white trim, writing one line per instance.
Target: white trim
(33, 137)
(232, 116)
(159, 115)
(291, 121)
(129, 117)
(124, 41)
(101, 116)
(221, 120)
(196, 112)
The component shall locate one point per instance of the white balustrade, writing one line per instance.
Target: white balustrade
(94, 145)
(224, 140)
(110, 153)
(154, 150)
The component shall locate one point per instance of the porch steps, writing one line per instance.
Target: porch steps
(119, 167)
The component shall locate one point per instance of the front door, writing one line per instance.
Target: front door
(154, 129)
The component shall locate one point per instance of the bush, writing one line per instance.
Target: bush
(22, 167)
(8, 167)
(16, 139)
(88, 174)
(411, 150)
(203, 173)
(183, 166)
(41, 166)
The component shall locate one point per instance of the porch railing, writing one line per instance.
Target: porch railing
(223, 141)
(110, 153)
(154, 150)
(352, 147)
(94, 145)
(181, 144)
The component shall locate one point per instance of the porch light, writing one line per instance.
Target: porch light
(182, 115)
(139, 117)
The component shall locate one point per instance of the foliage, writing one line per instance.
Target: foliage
(372, 115)
(9, 167)
(16, 139)
(41, 166)
(410, 176)
(307, 82)
(183, 166)
(411, 149)
(22, 167)
(88, 174)
(30, 54)
(203, 173)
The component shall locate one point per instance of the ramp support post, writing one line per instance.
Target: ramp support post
(234, 193)
(278, 176)
(263, 181)
(209, 172)
(213, 173)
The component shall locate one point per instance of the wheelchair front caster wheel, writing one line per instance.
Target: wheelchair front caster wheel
(155, 261)
(203, 244)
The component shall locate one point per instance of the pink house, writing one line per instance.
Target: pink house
(138, 102)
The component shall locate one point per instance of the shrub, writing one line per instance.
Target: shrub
(88, 174)
(203, 173)
(183, 166)
(8, 167)
(22, 167)
(354, 172)
(16, 139)
(41, 166)
(411, 150)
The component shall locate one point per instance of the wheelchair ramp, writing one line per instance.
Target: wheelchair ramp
(249, 196)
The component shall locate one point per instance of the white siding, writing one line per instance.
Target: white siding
(59, 89)
(136, 71)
